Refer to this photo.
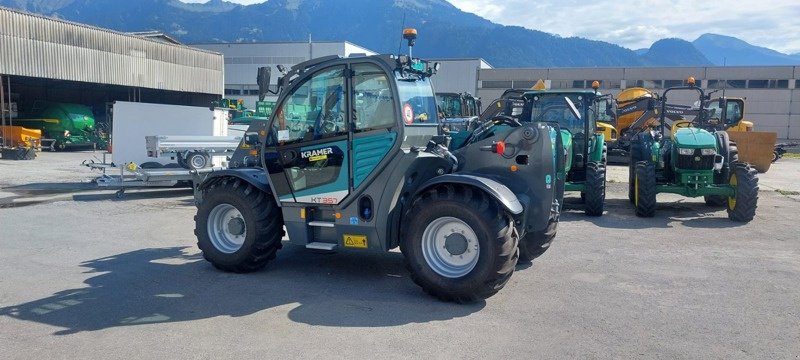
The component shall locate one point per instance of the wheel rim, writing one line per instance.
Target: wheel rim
(226, 228)
(198, 161)
(732, 200)
(450, 247)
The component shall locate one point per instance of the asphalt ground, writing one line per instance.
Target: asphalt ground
(87, 275)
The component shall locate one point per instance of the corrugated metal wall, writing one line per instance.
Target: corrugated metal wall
(42, 47)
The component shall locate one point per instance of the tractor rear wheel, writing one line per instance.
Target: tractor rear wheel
(742, 206)
(238, 227)
(459, 244)
(635, 154)
(595, 189)
(730, 151)
(645, 189)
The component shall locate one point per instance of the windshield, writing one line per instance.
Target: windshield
(418, 101)
(449, 105)
(554, 108)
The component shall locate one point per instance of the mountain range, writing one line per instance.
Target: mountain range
(445, 31)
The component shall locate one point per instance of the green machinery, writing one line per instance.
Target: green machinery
(576, 112)
(67, 125)
(363, 169)
(458, 105)
(241, 115)
(693, 158)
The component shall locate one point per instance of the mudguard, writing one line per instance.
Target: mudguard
(500, 192)
(253, 176)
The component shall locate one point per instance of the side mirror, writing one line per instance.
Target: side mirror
(262, 79)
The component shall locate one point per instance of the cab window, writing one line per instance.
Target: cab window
(315, 110)
(374, 103)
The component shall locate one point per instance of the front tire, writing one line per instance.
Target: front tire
(645, 189)
(458, 244)
(238, 227)
(742, 207)
(595, 189)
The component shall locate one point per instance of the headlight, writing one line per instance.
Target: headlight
(708, 152)
(686, 151)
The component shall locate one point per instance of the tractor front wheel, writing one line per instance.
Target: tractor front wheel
(458, 243)
(645, 189)
(595, 189)
(238, 227)
(742, 206)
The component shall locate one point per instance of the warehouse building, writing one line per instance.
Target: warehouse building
(772, 93)
(43, 58)
(242, 61)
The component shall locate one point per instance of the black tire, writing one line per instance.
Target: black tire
(181, 161)
(730, 151)
(197, 160)
(775, 156)
(492, 226)
(645, 189)
(259, 212)
(635, 156)
(595, 189)
(536, 243)
(742, 207)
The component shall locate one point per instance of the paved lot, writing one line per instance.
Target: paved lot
(85, 275)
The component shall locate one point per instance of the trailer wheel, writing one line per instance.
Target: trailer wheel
(775, 156)
(197, 160)
(458, 244)
(742, 206)
(595, 189)
(645, 189)
(238, 227)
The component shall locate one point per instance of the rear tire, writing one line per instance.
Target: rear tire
(536, 243)
(595, 189)
(742, 207)
(486, 231)
(645, 189)
(238, 227)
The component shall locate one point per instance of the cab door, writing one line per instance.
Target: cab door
(308, 161)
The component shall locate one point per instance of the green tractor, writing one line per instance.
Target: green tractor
(693, 158)
(364, 169)
(576, 112)
(66, 125)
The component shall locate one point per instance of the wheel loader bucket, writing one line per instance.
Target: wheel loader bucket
(755, 148)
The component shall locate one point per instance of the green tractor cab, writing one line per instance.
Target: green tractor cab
(351, 160)
(576, 112)
(692, 158)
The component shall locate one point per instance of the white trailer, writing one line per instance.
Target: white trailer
(191, 152)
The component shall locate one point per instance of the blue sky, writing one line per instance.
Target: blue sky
(637, 24)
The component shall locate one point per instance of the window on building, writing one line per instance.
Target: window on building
(648, 84)
(494, 84)
(736, 84)
(672, 83)
(523, 84)
(231, 91)
(758, 84)
(579, 84)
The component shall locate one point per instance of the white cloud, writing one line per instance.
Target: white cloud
(769, 23)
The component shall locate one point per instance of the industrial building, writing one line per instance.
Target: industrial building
(43, 58)
(242, 61)
(772, 92)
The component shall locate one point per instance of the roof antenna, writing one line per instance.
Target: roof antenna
(403, 26)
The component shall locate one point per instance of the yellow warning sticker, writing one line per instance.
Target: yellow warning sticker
(318, 157)
(355, 241)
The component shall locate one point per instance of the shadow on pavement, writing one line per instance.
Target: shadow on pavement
(619, 214)
(164, 285)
